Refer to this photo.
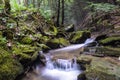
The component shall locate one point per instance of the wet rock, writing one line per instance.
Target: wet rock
(102, 68)
(57, 43)
(82, 76)
(100, 37)
(79, 36)
(111, 41)
(108, 51)
(70, 28)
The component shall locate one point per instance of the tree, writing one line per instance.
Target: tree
(58, 14)
(7, 6)
(62, 23)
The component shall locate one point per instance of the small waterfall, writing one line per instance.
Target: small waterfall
(73, 47)
(61, 64)
(61, 69)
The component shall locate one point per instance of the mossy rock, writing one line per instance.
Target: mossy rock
(24, 51)
(113, 41)
(82, 76)
(27, 40)
(9, 67)
(55, 43)
(102, 68)
(108, 51)
(79, 36)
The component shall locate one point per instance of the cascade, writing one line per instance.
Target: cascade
(60, 67)
(73, 47)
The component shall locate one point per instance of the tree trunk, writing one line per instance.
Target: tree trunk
(62, 13)
(7, 6)
(26, 3)
(39, 3)
(58, 14)
(33, 2)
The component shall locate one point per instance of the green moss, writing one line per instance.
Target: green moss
(3, 41)
(60, 41)
(110, 39)
(27, 40)
(108, 51)
(56, 42)
(38, 36)
(9, 67)
(101, 68)
(79, 36)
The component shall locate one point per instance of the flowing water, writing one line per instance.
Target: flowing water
(58, 68)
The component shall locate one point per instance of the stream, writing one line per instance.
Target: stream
(60, 64)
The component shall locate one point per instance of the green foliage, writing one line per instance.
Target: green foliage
(16, 7)
(105, 7)
(52, 30)
(46, 13)
(1, 7)
(3, 41)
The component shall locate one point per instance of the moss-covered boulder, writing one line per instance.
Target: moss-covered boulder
(9, 67)
(102, 68)
(108, 51)
(25, 53)
(57, 42)
(79, 36)
(112, 41)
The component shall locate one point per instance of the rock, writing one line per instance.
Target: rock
(82, 76)
(9, 67)
(70, 28)
(25, 53)
(79, 36)
(57, 43)
(102, 68)
(112, 41)
(101, 37)
(108, 51)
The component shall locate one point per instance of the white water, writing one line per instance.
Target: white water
(73, 47)
(60, 69)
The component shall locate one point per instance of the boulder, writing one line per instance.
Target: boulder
(79, 36)
(112, 41)
(101, 69)
(10, 68)
(25, 53)
(108, 51)
(57, 43)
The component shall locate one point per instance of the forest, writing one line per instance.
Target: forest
(59, 39)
